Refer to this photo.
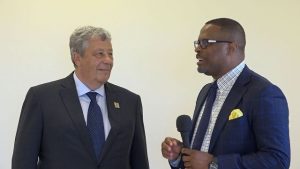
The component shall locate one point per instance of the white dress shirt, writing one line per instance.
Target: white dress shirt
(82, 89)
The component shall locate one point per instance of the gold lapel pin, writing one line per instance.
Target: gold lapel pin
(117, 105)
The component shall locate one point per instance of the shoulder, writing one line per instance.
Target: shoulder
(261, 86)
(112, 88)
(55, 85)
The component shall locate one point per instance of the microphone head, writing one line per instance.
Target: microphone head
(184, 124)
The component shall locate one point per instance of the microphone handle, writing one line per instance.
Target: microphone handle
(185, 139)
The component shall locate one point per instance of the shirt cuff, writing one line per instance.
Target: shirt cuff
(175, 163)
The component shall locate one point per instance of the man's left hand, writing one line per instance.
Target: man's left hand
(194, 159)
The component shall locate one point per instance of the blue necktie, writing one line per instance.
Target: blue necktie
(202, 128)
(95, 124)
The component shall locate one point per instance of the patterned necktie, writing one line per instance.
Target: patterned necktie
(203, 125)
(95, 124)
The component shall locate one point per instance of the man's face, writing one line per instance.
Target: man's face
(214, 60)
(94, 67)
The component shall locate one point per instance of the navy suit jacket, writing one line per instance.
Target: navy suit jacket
(260, 138)
(52, 133)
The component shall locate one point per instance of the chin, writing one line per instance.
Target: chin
(204, 72)
(105, 79)
(201, 70)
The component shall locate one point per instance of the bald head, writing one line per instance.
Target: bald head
(232, 30)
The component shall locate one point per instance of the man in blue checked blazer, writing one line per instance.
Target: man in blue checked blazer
(248, 124)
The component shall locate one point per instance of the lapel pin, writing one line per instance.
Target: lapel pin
(117, 105)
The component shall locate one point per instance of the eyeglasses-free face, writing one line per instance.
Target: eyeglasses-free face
(203, 43)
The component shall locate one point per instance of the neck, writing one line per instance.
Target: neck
(93, 85)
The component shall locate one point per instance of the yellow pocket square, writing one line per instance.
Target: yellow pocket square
(236, 113)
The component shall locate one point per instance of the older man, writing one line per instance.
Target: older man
(82, 121)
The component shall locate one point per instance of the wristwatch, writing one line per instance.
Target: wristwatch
(214, 164)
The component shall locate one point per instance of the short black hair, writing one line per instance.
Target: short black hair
(232, 27)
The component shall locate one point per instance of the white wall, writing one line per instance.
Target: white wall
(153, 48)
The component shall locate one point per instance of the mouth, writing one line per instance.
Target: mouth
(200, 61)
(104, 70)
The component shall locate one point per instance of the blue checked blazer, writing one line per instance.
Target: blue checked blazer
(260, 138)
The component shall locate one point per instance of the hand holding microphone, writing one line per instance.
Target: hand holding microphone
(171, 147)
(191, 158)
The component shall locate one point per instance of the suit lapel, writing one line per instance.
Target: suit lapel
(200, 101)
(71, 101)
(230, 103)
(112, 101)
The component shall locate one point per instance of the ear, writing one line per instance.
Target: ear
(76, 58)
(232, 48)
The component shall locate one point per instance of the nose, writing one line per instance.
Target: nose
(106, 62)
(108, 57)
(197, 50)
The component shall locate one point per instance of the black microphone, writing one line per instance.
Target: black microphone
(184, 126)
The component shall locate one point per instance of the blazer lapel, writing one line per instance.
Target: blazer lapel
(71, 101)
(113, 108)
(200, 101)
(230, 103)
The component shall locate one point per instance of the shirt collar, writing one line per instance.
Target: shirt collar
(82, 89)
(226, 81)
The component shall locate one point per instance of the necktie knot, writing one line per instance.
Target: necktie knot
(214, 86)
(92, 96)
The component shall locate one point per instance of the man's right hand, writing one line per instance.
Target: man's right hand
(170, 148)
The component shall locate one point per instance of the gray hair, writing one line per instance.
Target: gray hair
(80, 37)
